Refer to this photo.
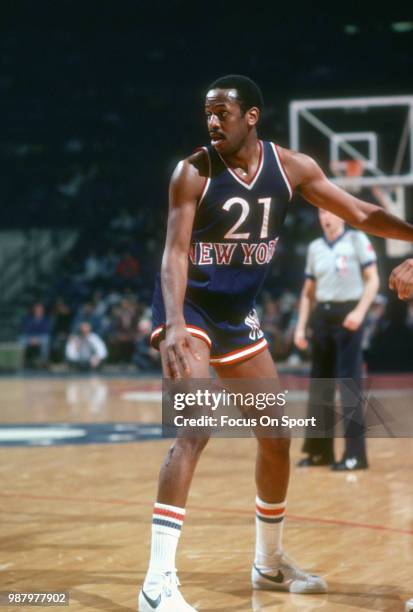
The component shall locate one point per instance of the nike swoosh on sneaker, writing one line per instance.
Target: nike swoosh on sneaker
(278, 579)
(154, 603)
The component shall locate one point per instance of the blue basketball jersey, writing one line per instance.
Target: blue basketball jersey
(235, 233)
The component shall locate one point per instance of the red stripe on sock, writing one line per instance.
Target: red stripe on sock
(272, 512)
(169, 513)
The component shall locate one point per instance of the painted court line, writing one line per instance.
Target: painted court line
(142, 396)
(125, 502)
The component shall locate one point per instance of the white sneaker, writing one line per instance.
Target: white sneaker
(165, 599)
(285, 576)
(409, 606)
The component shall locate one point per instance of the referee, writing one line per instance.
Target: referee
(342, 280)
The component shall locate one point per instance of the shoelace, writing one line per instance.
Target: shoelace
(292, 567)
(297, 572)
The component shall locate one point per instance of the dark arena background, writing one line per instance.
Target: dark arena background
(98, 103)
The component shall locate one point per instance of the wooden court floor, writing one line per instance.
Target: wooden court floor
(77, 518)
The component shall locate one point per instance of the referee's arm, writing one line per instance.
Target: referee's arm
(371, 286)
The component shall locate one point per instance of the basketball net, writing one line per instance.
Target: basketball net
(350, 168)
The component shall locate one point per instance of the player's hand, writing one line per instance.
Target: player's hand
(179, 345)
(353, 320)
(401, 279)
(300, 340)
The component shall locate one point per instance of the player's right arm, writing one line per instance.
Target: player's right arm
(306, 303)
(184, 193)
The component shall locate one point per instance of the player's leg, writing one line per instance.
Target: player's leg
(272, 569)
(409, 606)
(349, 368)
(179, 465)
(160, 589)
(320, 451)
(273, 460)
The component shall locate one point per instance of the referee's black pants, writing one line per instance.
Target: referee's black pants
(337, 356)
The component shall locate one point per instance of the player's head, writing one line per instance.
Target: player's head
(330, 223)
(233, 106)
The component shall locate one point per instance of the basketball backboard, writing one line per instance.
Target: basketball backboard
(364, 142)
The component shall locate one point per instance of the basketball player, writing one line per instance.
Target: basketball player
(401, 280)
(227, 206)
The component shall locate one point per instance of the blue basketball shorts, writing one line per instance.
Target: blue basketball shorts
(231, 338)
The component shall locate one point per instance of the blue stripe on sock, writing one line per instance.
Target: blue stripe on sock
(269, 520)
(164, 523)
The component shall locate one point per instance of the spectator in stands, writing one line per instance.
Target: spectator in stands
(112, 298)
(87, 313)
(72, 182)
(122, 335)
(99, 303)
(92, 267)
(128, 270)
(85, 351)
(100, 320)
(62, 318)
(109, 264)
(124, 224)
(35, 335)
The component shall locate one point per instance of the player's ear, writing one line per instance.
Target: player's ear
(253, 115)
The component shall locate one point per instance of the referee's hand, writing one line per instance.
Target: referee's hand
(300, 340)
(353, 320)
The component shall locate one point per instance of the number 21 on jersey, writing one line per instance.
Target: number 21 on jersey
(232, 234)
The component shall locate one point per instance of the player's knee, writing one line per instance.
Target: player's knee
(191, 446)
(275, 446)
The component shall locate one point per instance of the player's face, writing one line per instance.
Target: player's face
(228, 126)
(330, 222)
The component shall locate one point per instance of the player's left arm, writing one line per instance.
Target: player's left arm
(371, 286)
(401, 279)
(307, 178)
